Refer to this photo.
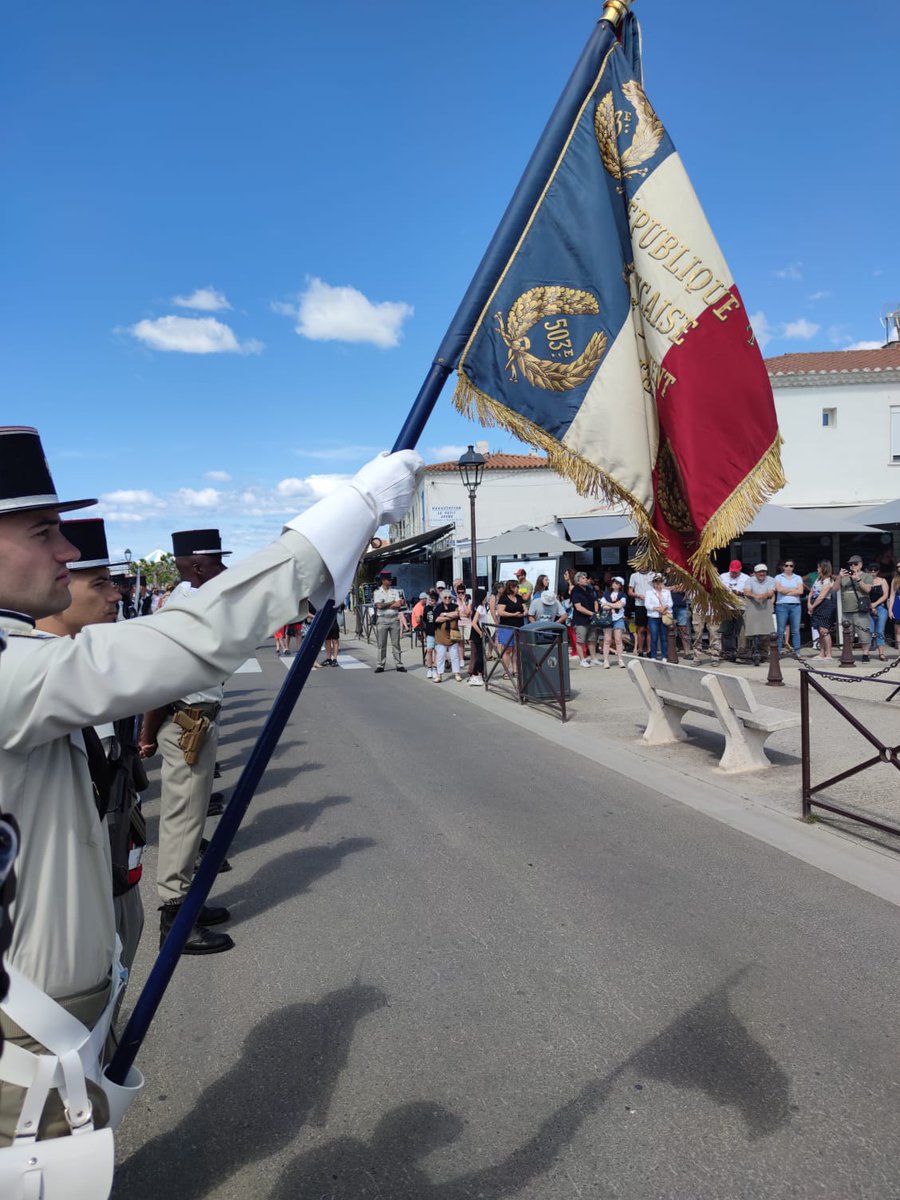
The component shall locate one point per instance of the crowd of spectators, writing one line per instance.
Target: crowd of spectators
(605, 615)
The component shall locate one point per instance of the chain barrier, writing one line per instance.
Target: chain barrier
(840, 676)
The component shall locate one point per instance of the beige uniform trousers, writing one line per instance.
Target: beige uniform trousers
(87, 1007)
(182, 815)
(388, 627)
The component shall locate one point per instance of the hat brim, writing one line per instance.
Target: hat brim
(95, 563)
(37, 502)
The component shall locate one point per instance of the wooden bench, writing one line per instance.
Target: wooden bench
(670, 692)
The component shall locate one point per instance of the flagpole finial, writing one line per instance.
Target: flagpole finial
(615, 10)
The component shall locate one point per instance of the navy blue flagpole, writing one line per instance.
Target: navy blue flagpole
(512, 224)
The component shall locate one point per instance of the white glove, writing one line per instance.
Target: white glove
(387, 484)
(341, 525)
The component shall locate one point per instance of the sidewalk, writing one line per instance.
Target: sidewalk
(607, 718)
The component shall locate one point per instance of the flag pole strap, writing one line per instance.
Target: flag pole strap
(483, 282)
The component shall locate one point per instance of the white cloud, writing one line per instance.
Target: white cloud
(217, 476)
(793, 271)
(133, 496)
(283, 308)
(204, 498)
(820, 296)
(115, 514)
(343, 314)
(445, 453)
(204, 300)
(315, 486)
(864, 346)
(800, 329)
(192, 335)
(759, 323)
(251, 514)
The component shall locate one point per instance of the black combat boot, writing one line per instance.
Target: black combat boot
(201, 939)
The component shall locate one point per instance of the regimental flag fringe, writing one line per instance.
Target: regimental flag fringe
(728, 523)
(737, 513)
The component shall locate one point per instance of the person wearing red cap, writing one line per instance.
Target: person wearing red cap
(735, 581)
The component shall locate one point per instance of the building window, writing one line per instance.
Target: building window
(829, 418)
(895, 434)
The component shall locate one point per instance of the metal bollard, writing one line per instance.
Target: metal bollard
(847, 645)
(671, 647)
(775, 678)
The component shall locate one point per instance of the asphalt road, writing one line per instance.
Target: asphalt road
(469, 964)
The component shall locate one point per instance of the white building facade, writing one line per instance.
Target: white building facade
(516, 489)
(839, 415)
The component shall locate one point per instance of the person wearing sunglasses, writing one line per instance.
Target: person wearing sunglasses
(788, 602)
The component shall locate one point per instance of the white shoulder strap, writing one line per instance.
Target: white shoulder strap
(75, 1052)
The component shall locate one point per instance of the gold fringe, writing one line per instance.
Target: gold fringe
(706, 591)
(734, 515)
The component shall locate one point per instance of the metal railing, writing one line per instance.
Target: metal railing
(538, 674)
(885, 753)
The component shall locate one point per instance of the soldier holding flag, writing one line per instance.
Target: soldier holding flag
(62, 959)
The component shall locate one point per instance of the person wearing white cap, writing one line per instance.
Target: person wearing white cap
(758, 616)
(546, 607)
(63, 944)
(612, 614)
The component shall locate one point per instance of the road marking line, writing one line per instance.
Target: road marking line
(347, 661)
(250, 667)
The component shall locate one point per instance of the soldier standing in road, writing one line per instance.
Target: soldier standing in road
(388, 605)
(63, 942)
(186, 733)
(94, 602)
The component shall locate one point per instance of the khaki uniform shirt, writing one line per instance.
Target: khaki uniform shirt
(51, 688)
(387, 596)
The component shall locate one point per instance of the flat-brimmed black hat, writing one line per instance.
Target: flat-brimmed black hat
(89, 536)
(25, 480)
(197, 541)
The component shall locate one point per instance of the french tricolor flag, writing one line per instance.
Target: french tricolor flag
(617, 341)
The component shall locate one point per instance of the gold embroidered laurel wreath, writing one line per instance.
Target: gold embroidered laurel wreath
(533, 306)
(648, 133)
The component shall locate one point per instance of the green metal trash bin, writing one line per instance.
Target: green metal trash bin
(543, 682)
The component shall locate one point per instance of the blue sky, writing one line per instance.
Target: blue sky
(235, 231)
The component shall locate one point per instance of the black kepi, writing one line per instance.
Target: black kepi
(25, 480)
(88, 536)
(197, 541)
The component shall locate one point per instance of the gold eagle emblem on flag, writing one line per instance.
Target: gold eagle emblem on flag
(609, 125)
(536, 305)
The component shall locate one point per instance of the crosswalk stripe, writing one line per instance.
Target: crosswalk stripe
(346, 661)
(250, 667)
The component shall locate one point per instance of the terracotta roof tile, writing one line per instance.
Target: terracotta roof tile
(829, 362)
(498, 462)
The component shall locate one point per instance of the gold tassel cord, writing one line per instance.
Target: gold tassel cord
(704, 587)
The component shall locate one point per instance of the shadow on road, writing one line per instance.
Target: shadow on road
(706, 1048)
(285, 1077)
(283, 819)
(709, 1049)
(290, 874)
(388, 1165)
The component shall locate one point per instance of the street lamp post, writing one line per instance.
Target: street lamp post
(471, 469)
